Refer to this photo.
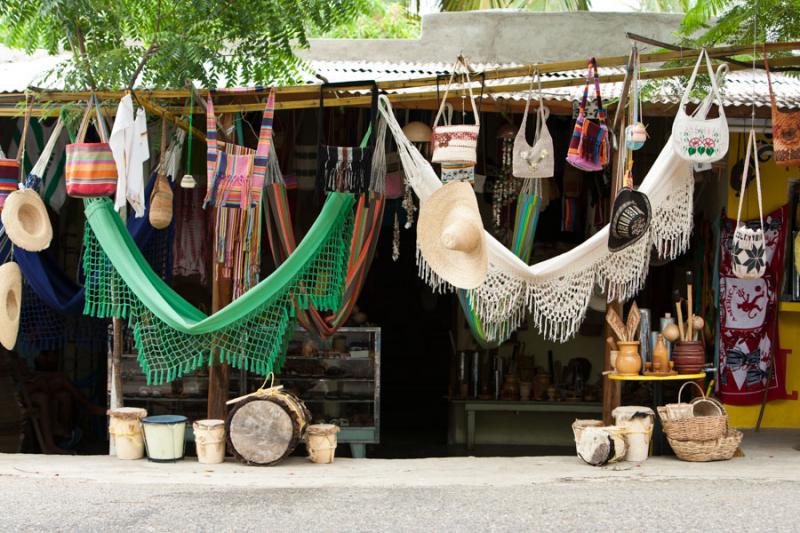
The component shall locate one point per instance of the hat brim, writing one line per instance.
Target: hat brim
(26, 220)
(10, 303)
(463, 270)
(630, 219)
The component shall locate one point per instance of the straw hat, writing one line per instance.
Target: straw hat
(26, 221)
(451, 237)
(418, 132)
(10, 303)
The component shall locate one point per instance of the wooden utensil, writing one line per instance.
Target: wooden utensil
(634, 317)
(616, 325)
(611, 343)
(671, 332)
(676, 295)
(697, 325)
(689, 307)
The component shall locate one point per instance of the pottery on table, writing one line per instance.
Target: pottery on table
(689, 356)
(540, 384)
(510, 389)
(628, 362)
(660, 356)
(525, 390)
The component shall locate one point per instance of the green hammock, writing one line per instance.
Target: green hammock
(173, 337)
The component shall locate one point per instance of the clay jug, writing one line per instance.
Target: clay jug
(660, 356)
(628, 363)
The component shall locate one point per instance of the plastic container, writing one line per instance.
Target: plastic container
(125, 428)
(209, 439)
(164, 437)
(637, 422)
(321, 442)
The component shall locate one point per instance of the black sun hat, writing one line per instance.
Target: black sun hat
(630, 217)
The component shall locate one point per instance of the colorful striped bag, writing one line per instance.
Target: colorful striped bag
(90, 171)
(10, 168)
(589, 147)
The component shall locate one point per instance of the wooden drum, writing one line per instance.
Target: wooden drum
(265, 427)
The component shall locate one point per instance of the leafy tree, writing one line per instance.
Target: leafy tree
(381, 20)
(776, 20)
(168, 41)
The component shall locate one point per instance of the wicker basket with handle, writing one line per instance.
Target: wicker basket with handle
(695, 428)
(160, 214)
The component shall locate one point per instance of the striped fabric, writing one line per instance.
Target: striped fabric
(9, 177)
(90, 170)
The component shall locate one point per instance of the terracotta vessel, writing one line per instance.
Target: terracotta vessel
(628, 363)
(689, 356)
(660, 356)
(525, 390)
(540, 384)
(510, 388)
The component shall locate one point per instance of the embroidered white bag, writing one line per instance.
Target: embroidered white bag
(698, 139)
(748, 248)
(456, 143)
(537, 160)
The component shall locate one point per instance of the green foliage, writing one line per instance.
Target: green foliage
(530, 5)
(212, 41)
(381, 20)
(776, 20)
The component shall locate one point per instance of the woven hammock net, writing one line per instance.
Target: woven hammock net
(557, 291)
(253, 335)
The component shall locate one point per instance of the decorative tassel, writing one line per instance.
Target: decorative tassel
(344, 169)
(396, 239)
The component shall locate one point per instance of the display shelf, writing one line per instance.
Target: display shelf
(789, 307)
(349, 399)
(674, 377)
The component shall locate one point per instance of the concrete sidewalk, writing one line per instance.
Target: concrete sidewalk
(769, 456)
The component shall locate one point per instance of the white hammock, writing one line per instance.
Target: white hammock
(557, 291)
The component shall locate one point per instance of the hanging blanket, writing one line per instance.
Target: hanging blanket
(748, 320)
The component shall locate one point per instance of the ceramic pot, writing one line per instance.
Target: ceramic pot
(689, 356)
(540, 384)
(628, 362)
(510, 388)
(525, 390)
(551, 393)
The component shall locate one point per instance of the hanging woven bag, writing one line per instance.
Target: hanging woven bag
(160, 213)
(785, 130)
(701, 140)
(90, 170)
(748, 247)
(10, 168)
(589, 147)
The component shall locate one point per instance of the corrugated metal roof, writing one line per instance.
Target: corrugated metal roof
(19, 71)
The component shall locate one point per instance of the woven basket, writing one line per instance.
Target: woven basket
(161, 203)
(720, 449)
(694, 428)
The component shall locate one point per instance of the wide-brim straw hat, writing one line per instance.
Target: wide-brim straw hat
(26, 221)
(451, 238)
(10, 303)
(630, 219)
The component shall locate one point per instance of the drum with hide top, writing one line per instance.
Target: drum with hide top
(265, 427)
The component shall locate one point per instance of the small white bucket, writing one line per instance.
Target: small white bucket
(125, 429)
(321, 443)
(637, 422)
(164, 437)
(209, 439)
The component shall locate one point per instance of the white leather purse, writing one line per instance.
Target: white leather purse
(537, 160)
(696, 139)
(748, 247)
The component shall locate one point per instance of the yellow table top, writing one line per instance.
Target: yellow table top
(675, 377)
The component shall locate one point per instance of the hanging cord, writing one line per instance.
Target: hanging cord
(753, 101)
(189, 148)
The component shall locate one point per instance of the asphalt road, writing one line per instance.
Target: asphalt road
(30, 504)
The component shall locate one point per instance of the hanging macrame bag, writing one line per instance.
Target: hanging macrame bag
(345, 168)
(10, 168)
(160, 212)
(589, 147)
(90, 171)
(748, 248)
(537, 160)
(636, 132)
(785, 130)
(456, 145)
(697, 139)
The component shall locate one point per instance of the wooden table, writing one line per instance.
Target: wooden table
(473, 406)
(658, 399)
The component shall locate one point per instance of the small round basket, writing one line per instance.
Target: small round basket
(696, 428)
(720, 449)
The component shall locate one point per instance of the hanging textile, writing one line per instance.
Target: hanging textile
(57, 290)
(557, 291)
(172, 336)
(748, 319)
(192, 228)
(235, 183)
(128, 142)
(366, 230)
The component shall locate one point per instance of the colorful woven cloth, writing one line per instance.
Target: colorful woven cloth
(748, 320)
(173, 337)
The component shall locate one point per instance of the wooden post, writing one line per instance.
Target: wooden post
(219, 372)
